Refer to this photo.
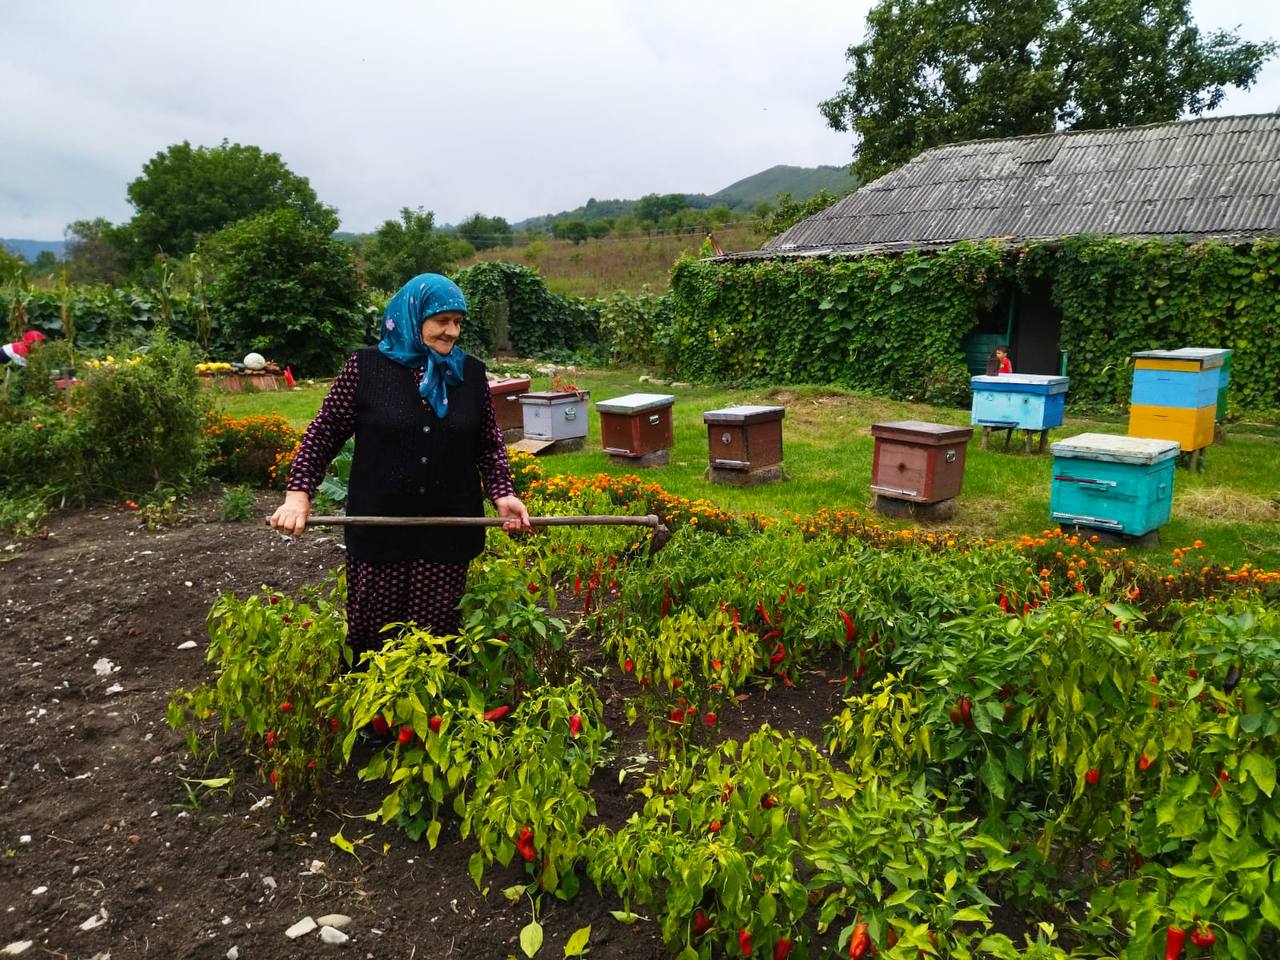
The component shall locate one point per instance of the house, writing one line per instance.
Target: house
(1215, 178)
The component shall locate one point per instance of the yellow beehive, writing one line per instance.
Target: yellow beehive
(1191, 428)
(1155, 363)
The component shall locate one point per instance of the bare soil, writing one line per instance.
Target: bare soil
(95, 822)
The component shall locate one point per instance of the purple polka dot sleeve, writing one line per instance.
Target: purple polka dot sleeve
(495, 469)
(331, 428)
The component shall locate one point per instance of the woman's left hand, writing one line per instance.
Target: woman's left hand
(513, 511)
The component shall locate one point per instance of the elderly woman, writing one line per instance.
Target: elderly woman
(426, 439)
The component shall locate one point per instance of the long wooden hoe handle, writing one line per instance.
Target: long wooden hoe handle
(650, 520)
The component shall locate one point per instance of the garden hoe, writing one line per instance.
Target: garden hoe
(657, 540)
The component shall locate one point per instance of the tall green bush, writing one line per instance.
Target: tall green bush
(537, 321)
(287, 290)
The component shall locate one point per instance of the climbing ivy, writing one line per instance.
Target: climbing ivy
(1118, 296)
(508, 297)
(893, 323)
(883, 324)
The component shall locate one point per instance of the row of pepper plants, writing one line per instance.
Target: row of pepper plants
(1043, 738)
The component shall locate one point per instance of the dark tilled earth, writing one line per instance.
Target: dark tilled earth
(103, 853)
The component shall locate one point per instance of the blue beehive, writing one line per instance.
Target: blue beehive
(1185, 389)
(1116, 483)
(1024, 401)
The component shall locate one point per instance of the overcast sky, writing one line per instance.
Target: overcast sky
(509, 108)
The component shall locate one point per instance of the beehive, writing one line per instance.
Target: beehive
(1021, 401)
(637, 427)
(917, 461)
(1113, 483)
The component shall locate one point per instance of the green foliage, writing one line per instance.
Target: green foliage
(187, 193)
(143, 419)
(1118, 296)
(654, 207)
(785, 212)
(401, 249)
(506, 297)
(930, 72)
(888, 325)
(484, 232)
(893, 324)
(93, 251)
(237, 504)
(286, 290)
(636, 328)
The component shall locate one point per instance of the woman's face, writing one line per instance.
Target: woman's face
(440, 330)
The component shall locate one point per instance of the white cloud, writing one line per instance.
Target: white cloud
(507, 107)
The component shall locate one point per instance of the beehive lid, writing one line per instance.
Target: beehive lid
(747, 413)
(1207, 357)
(635, 403)
(1036, 383)
(1116, 448)
(514, 385)
(550, 396)
(921, 431)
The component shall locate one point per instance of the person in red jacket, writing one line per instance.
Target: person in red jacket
(998, 362)
(18, 351)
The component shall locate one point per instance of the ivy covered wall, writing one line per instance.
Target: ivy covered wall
(893, 324)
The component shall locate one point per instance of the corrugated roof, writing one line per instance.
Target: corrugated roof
(1215, 178)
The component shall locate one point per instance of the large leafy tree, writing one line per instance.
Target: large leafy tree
(93, 251)
(285, 289)
(187, 192)
(942, 71)
(484, 232)
(401, 249)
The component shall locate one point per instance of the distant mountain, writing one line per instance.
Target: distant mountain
(742, 196)
(28, 250)
(801, 182)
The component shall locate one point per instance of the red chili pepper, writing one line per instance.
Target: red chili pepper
(711, 719)
(275, 778)
(575, 725)
(850, 631)
(1092, 776)
(333, 725)
(405, 735)
(666, 607)
(1144, 762)
(714, 826)
(434, 723)
(966, 712)
(533, 588)
(497, 713)
(628, 666)
(524, 844)
(954, 714)
(286, 707)
(1192, 673)
(779, 653)
(701, 923)
(1203, 937)
(1174, 939)
(1004, 603)
(1026, 608)
(736, 625)
(763, 613)
(677, 715)
(859, 942)
(380, 725)
(271, 740)
(715, 664)
(768, 802)
(782, 949)
(744, 941)
(577, 585)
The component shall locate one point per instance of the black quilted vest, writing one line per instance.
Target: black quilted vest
(409, 462)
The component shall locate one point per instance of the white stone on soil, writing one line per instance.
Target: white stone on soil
(39, 890)
(189, 645)
(95, 921)
(335, 937)
(104, 667)
(301, 928)
(233, 953)
(17, 948)
(339, 921)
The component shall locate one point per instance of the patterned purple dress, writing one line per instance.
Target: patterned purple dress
(422, 591)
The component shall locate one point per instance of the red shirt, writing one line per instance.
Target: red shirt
(1005, 365)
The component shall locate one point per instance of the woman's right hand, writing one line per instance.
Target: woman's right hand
(291, 516)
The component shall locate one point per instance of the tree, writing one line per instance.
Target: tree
(286, 289)
(654, 207)
(485, 232)
(93, 252)
(401, 249)
(943, 71)
(187, 192)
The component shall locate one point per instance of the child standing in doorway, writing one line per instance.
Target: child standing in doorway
(998, 362)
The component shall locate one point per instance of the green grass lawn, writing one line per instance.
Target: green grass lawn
(1231, 504)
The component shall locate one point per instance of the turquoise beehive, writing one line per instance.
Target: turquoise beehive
(1114, 483)
(1022, 401)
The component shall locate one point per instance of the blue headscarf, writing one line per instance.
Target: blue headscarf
(425, 295)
